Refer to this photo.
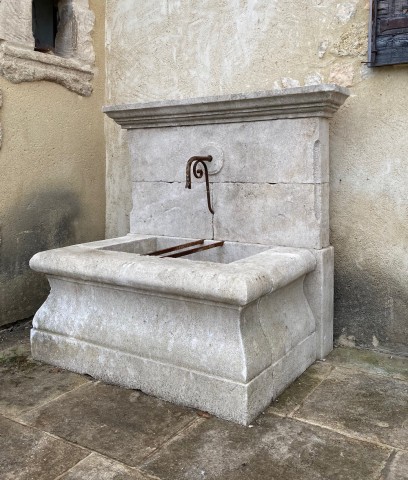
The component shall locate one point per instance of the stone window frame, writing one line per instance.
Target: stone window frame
(72, 66)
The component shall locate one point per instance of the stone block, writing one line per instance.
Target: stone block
(289, 367)
(236, 401)
(291, 215)
(282, 323)
(319, 288)
(201, 334)
(161, 208)
(280, 151)
(193, 335)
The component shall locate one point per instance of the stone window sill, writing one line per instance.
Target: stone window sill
(19, 64)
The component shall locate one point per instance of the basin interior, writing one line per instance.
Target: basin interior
(229, 252)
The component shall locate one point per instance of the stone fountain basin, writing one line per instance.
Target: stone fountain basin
(224, 330)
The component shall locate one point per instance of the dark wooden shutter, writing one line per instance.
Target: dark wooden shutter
(388, 39)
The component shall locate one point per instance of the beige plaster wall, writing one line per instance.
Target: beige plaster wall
(164, 49)
(52, 174)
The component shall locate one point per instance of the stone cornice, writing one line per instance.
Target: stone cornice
(311, 101)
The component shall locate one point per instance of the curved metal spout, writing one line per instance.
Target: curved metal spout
(198, 172)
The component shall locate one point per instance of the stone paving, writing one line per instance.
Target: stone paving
(344, 418)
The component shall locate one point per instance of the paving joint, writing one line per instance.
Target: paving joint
(297, 407)
(42, 405)
(367, 371)
(341, 432)
(178, 434)
(49, 434)
(73, 466)
(387, 466)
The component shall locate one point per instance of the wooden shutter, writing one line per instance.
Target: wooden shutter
(388, 36)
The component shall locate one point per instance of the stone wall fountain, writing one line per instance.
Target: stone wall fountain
(222, 329)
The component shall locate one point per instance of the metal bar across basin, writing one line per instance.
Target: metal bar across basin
(195, 250)
(176, 247)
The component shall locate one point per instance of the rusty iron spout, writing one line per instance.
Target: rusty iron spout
(199, 169)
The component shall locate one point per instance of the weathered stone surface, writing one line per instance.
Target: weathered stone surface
(72, 66)
(16, 22)
(161, 208)
(244, 330)
(319, 287)
(371, 362)
(26, 384)
(238, 283)
(285, 318)
(397, 469)
(96, 467)
(274, 449)
(19, 65)
(293, 364)
(292, 449)
(281, 151)
(289, 401)
(370, 407)
(270, 186)
(126, 425)
(16, 337)
(27, 453)
(75, 28)
(290, 215)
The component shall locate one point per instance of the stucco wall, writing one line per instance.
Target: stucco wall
(52, 177)
(165, 49)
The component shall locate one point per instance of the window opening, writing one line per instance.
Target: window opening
(45, 21)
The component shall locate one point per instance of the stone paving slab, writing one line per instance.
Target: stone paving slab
(293, 396)
(17, 337)
(397, 468)
(96, 467)
(370, 361)
(356, 392)
(28, 454)
(274, 449)
(26, 384)
(125, 425)
(370, 407)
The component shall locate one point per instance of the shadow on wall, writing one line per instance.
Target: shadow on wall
(373, 308)
(41, 221)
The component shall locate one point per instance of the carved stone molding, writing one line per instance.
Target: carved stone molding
(312, 101)
(74, 58)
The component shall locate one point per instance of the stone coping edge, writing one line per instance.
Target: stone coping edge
(311, 101)
(236, 283)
